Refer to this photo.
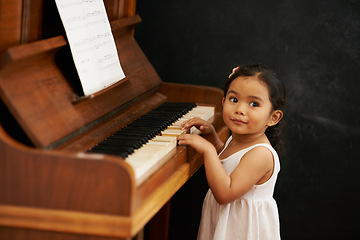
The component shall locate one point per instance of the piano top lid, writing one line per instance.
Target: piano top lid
(39, 84)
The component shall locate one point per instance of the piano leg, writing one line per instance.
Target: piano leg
(158, 227)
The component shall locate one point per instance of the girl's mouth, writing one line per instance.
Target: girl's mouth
(238, 121)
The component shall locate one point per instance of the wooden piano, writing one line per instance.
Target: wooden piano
(50, 186)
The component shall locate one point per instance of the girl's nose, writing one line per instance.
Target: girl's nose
(240, 109)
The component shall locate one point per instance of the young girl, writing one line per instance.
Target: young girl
(239, 203)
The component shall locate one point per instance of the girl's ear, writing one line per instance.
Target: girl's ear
(275, 117)
(223, 100)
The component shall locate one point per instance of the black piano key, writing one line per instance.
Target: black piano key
(119, 145)
(119, 151)
(120, 142)
(139, 138)
(112, 150)
(134, 135)
(123, 154)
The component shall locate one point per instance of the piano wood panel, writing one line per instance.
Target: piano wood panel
(61, 180)
(24, 21)
(10, 23)
(31, 234)
(194, 93)
(45, 108)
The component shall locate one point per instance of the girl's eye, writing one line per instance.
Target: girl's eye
(254, 104)
(233, 99)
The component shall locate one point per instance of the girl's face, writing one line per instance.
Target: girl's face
(247, 108)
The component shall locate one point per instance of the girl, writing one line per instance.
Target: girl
(239, 203)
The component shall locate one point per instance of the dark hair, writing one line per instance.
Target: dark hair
(277, 94)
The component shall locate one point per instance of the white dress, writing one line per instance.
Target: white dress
(253, 216)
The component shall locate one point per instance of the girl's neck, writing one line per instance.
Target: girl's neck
(240, 142)
(244, 140)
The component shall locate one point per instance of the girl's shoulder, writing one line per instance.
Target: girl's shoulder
(263, 150)
(261, 146)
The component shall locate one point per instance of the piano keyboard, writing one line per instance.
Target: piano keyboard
(145, 142)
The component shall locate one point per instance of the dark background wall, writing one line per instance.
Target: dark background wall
(315, 47)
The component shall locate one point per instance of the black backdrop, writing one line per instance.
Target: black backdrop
(315, 47)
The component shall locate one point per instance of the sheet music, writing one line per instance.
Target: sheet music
(92, 43)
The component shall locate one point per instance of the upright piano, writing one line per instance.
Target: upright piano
(52, 186)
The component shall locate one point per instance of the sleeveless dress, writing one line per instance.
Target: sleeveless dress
(253, 216)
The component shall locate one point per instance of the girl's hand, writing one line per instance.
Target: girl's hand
(207, 130)
(200, 144)
(204, 127)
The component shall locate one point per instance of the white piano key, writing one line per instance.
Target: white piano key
(147, 159)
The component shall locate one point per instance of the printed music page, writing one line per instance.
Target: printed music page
(91, 42)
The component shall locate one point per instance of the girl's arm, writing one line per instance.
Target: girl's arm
(255, 167)
(207, 130)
